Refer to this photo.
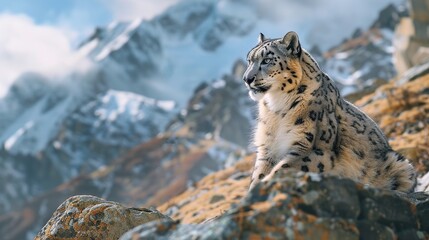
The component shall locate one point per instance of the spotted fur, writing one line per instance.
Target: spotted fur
(305, 124)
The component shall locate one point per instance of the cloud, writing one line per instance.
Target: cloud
(132, 9)
(26, 46)
(80, 18)
(323, 22)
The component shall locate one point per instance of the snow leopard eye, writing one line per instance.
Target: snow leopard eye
(266, 61)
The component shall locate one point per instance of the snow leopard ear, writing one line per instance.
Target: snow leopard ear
(291, 41)
(261, 38)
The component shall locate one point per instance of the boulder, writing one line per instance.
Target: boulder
(89, 217)
(295, 205)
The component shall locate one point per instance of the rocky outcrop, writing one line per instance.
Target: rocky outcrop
(389, 17)
(295, 205)
(412, 37)
(89, 217)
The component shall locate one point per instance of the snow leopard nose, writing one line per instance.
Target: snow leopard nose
(250, 75)
(249, 80)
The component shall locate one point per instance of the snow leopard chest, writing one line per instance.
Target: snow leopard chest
(282, 137)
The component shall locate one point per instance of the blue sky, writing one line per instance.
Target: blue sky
(81, 16)
(53, 11)
(78, 17)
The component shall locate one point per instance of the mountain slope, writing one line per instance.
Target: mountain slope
(88, 137)
(151, 172)
(53, 131)
(366, 59)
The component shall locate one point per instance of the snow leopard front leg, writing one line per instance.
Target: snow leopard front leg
(263, 165)
(298, 149)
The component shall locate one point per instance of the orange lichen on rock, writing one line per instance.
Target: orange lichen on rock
(89, 217)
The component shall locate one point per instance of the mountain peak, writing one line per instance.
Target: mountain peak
(389, 17)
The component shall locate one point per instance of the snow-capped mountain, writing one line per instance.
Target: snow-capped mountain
(168, 56)
(76, 140)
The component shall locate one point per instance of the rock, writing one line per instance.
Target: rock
(378, 206)
(423, 215)
(412, 235)
(327, 199)
(370, 230)
(147, 231)
(412, 38)
(89, 217)
(357, 33)
(414, 73)
(401, 55)
(217, 198)
(295, 205)
(389, 17)
(419, 11)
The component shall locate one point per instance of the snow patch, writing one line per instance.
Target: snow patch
(14, 138)
(119, 40)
